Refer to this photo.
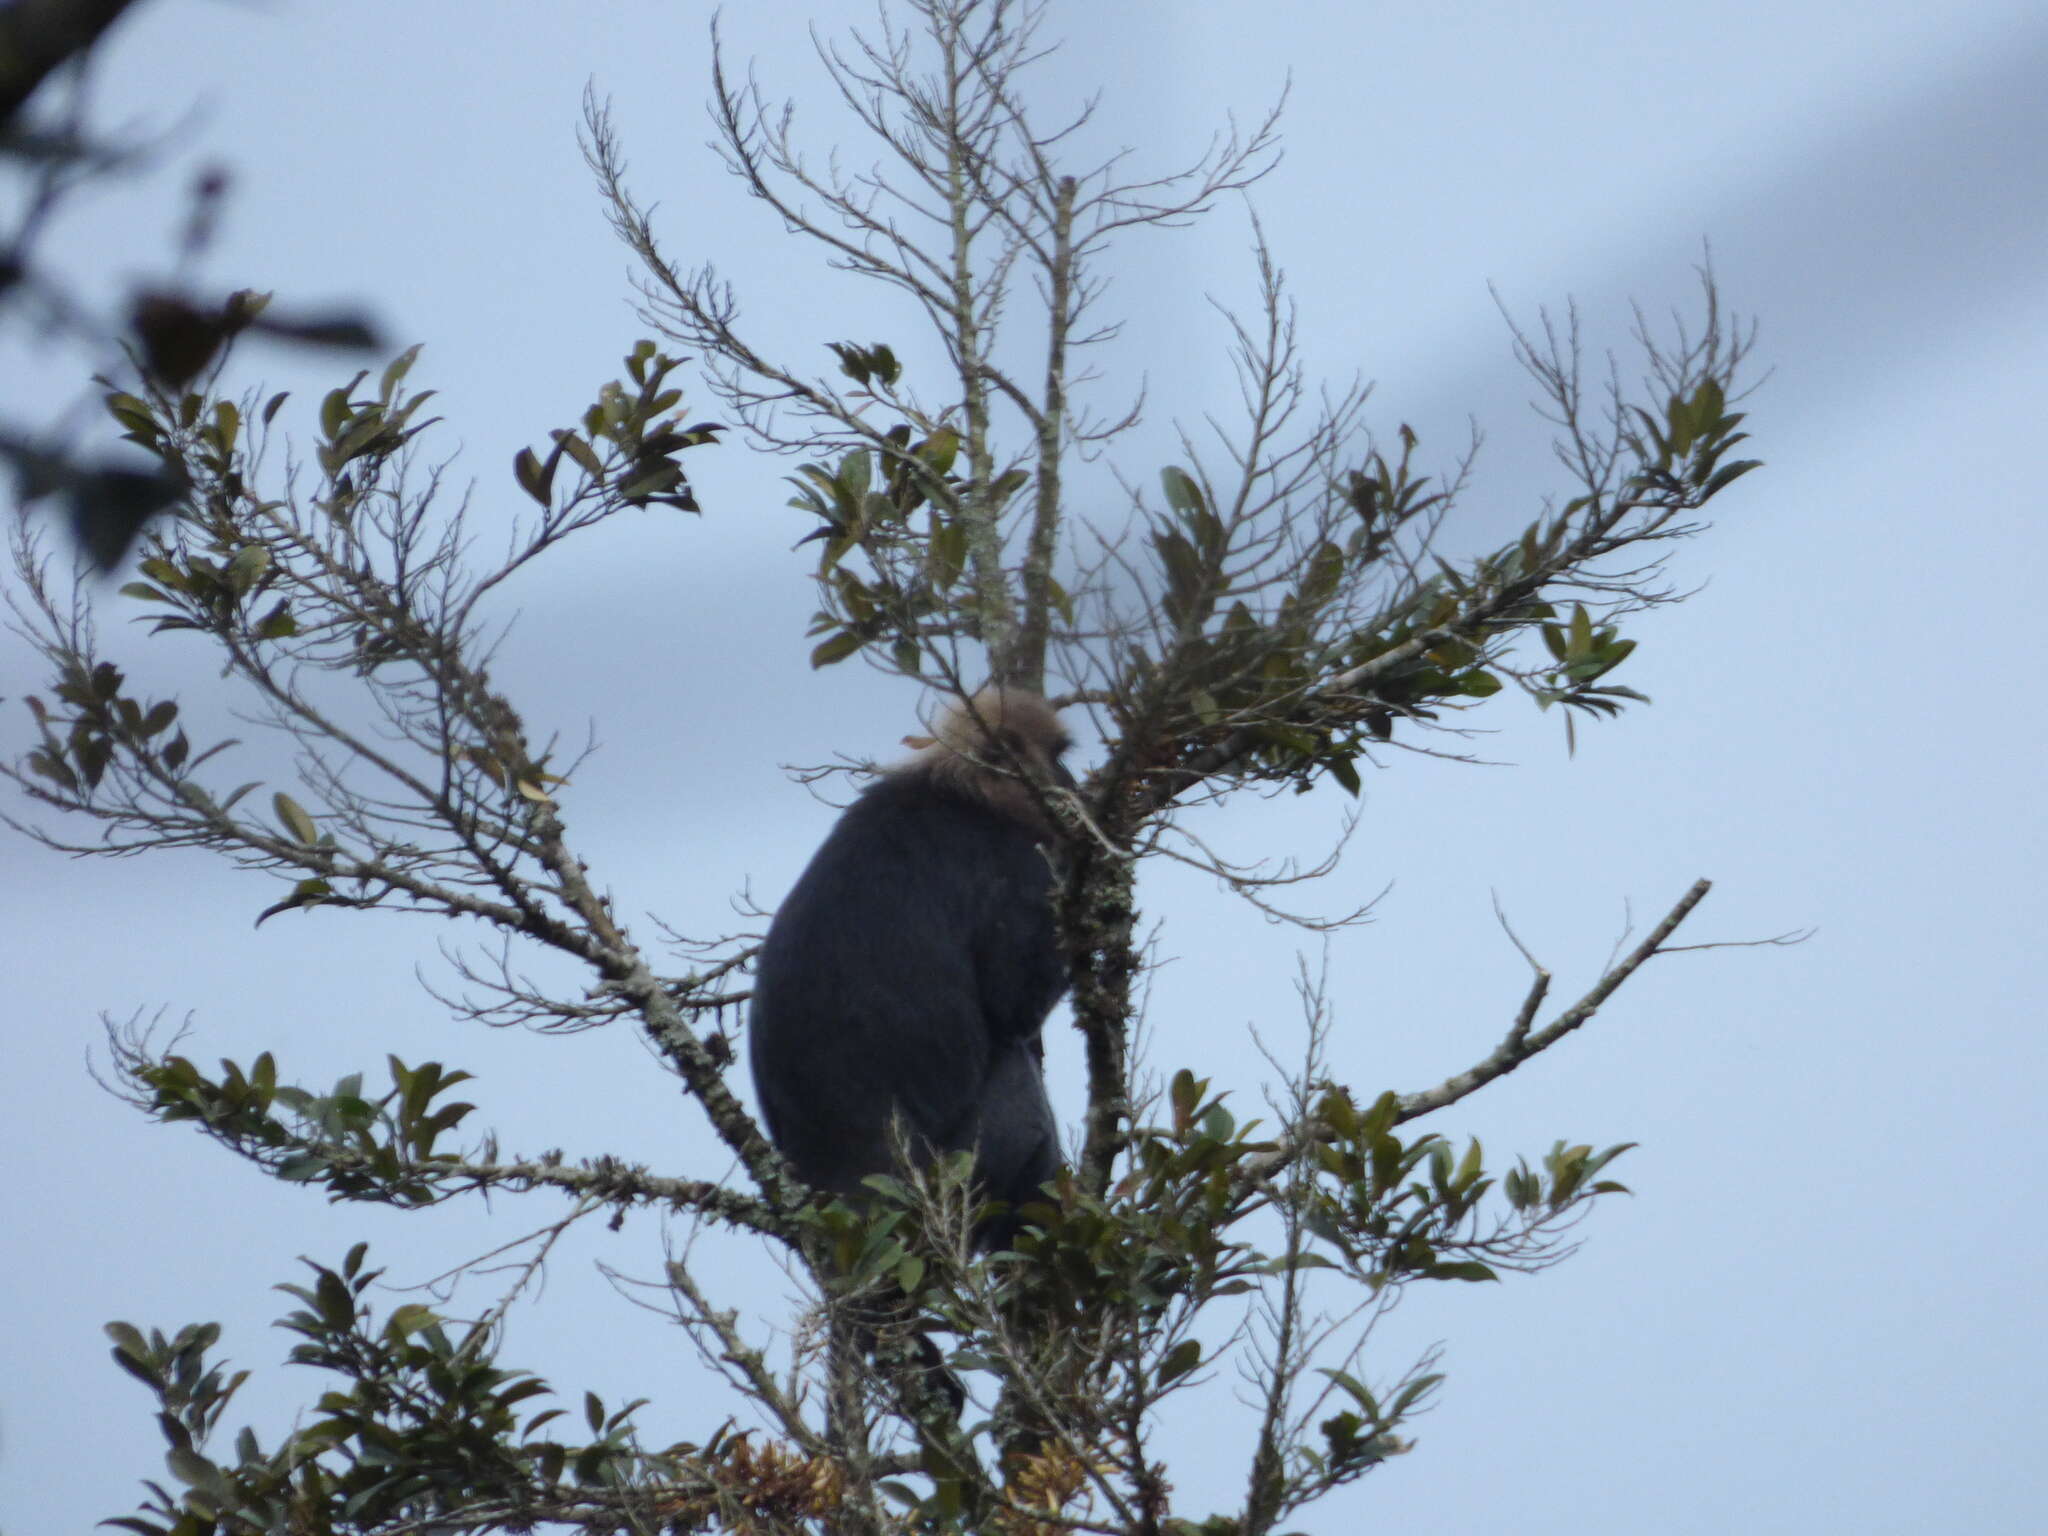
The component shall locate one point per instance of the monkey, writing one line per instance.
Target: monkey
(905, 981)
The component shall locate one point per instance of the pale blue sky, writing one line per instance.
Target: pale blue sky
(1821, 1310)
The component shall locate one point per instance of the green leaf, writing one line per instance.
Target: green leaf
(293, 818)
(532, 477)
(1414, 1392)
(852, 361)
(333, 412)
(1469, 1270)
(194, 1470)
(1728, 474)
(1061, 599)
(247, 568)
(395, 371)
(1357, 1390)
(1182, 493)
(855, 471)
(1181, 1359)
(411, 1318)
(939, 450)
(577, 449)
(838, 648)
(1581, 640)
(278, 624)
(133, 1361)
(1325, 572)
(948, 553)
(165, 573)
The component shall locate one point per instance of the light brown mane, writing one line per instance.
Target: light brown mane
(984, 747)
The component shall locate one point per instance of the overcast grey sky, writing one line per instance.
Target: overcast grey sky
(1820, 1312)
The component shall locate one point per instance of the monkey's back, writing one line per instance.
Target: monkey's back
(910, 970)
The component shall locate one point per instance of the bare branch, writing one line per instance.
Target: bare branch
(1521, 1045)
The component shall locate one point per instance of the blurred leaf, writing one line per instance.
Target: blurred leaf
(838, 648)
(1182, 493)
(293, 818)
(1181, 1359)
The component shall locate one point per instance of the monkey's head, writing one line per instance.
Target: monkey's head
(993, 746)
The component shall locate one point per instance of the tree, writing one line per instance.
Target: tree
(1280, 613)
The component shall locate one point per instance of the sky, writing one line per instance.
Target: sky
(1820, 1309)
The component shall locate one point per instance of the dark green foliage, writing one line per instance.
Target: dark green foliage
(419, 1423)
(382, 1149)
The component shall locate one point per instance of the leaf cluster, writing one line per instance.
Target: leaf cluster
(1289, 659)
(638, 462)
(382, 1149)
(360, 582)
(1108, 1304)
(422, 1425)
(911, 581)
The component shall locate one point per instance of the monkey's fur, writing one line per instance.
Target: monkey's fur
(908, 974)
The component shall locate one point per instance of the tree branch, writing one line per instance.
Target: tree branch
(37, 37)
(1520, 1045)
